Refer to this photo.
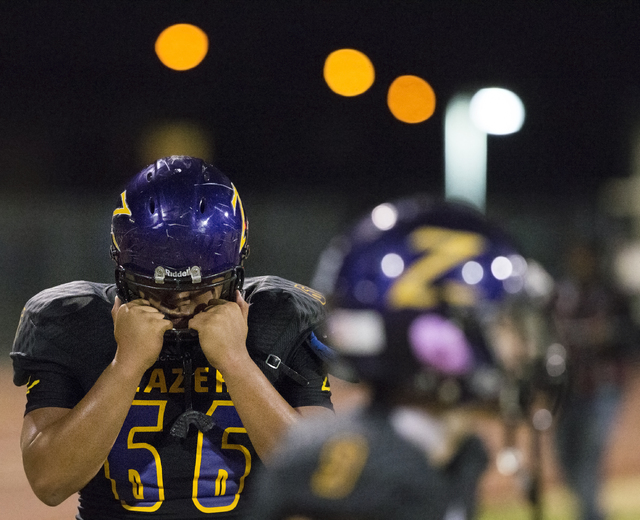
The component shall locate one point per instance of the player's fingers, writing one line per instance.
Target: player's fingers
(141, 305)
(116, 305)
(242, 303)
(138, 312)
(168, 324)
(140, 302)
(214, 302)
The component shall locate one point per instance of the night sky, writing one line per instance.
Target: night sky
(80, 82)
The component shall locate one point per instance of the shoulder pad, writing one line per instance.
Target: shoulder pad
(303, 303)
(64, 325)
(282, 315)
(68, 298)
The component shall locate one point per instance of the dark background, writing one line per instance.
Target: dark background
(80, 83)
(80, 80)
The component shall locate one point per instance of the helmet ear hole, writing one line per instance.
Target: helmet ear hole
(152, 206)
(203, 205)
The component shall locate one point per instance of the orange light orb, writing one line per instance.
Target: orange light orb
(411, 99)
(182, 46)
(348, 72)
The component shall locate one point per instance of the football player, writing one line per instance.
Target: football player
(157, 396)
(430, 308)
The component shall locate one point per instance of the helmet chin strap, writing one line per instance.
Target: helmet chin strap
(189, 417)
(179, 345)
(239, 283)
(122, 290)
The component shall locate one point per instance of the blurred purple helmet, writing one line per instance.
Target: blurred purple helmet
(179, 226)
(418, 291)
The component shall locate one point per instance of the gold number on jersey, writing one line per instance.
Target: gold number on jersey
(152, 461)
(341, 462)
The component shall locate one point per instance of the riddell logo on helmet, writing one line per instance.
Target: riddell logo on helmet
(177, 274)
(193, 272)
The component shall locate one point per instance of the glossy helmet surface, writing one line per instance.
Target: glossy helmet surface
(418, 291)
(179, 226)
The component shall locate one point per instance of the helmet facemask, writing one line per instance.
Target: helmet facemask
(131, 286)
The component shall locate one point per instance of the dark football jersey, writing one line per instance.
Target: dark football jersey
(65, 341)
(360, 468)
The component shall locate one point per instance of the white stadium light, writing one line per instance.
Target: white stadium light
(501, 267)
(468, 121)
(472, 272)
(465, 154)
(392, 265)
(384, 216)
(496, 111)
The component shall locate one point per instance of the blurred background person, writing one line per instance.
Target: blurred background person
(594, 324)
(427, 305)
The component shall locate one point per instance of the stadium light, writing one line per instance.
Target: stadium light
(468, 120)
(496, 111)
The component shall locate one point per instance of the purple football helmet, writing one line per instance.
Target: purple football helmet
(430, 296)
(179, 226)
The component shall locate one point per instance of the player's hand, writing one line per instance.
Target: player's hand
(139, 331)
(222, 328)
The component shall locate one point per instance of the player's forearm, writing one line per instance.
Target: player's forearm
(61, 454)
(264, 413)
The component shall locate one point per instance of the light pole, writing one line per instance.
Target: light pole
(468, 120)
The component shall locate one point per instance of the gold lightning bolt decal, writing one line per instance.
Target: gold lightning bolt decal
(31, 385)
(235, 201)
(124, 210)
